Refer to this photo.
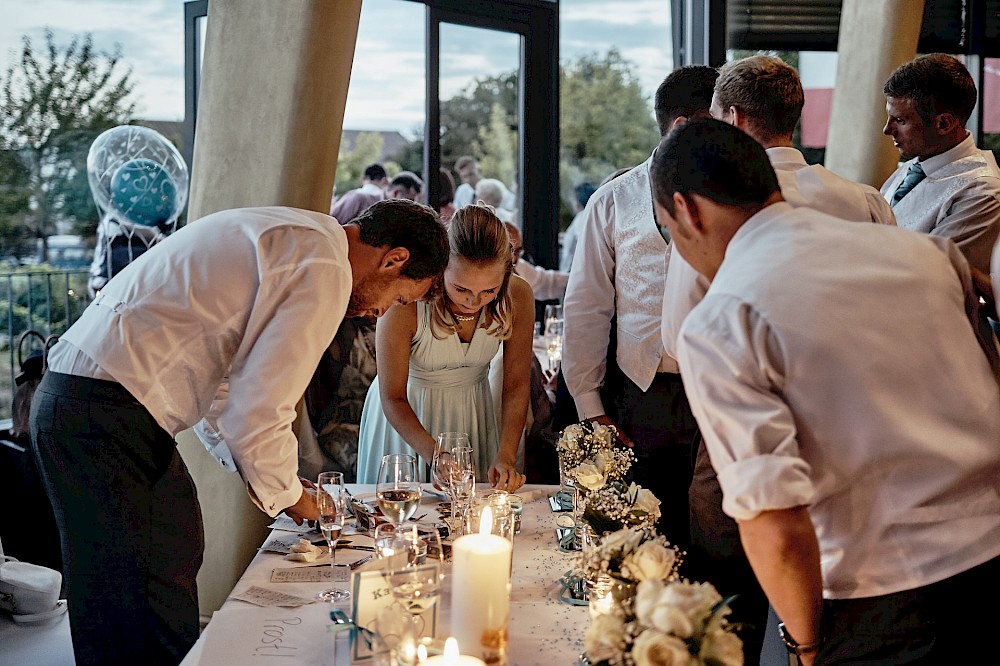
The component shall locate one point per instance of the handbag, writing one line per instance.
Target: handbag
(26, 381)
(30, 593)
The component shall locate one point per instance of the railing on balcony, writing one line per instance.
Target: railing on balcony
(40, 299)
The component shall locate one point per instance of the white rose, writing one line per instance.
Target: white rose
(646, 501)
(603, 461)
(573, 432)
(588, 476)
(722, 647)
(625, 540)
(605, 638)
(604, 435)
(650, 561)
(654, 609)
(653, 648)
(694, 599)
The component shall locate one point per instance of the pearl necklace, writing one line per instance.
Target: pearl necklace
(463, 317)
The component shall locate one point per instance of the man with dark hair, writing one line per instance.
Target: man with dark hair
(618, 276)
(406, 185)
(947, 187)
(221, 325)
(854, 438)
(467, 168)
(685, 93)
(353, 203)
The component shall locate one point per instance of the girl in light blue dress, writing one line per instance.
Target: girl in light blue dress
(433, 359)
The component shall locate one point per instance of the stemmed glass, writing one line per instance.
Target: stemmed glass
(406, 551)
(554, 335)
(331, 507)
(453, 469)
(398, 487)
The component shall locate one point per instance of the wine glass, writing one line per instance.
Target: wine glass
(554, 335)
(331, 507)
(453, 466)
(398, 487)
(415, 579)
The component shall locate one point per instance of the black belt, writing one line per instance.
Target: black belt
(87, 388)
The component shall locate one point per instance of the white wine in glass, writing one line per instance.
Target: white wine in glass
(331, 507)
(398, 487)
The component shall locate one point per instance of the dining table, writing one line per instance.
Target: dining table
(543, 629)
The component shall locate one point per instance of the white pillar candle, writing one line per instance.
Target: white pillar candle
(451, 657)
(480, 597)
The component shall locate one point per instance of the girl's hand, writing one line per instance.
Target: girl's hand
(504, 476)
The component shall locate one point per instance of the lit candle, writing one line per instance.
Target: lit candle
(480, 598)
(451, 657)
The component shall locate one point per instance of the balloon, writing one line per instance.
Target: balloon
(140, 146)
(143, 192)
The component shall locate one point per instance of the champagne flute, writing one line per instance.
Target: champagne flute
(398, 487)
(554, 335)
(331, 507)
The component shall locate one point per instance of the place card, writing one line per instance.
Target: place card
(323, 574)
(285, 523)
(261, 596)
(372, 596)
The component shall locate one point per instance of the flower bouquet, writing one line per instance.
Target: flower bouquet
(668, 623)
(588, 456)
(616, 506)
(633, 556)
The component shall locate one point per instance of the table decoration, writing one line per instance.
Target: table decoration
(451, 657)
(480, 603)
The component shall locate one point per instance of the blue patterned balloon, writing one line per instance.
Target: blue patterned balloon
(143, 192)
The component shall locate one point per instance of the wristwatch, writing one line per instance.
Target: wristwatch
(793, 645)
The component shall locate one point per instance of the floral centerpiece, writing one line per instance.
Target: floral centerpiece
(590, 457)
(668, 623)
(632, 556)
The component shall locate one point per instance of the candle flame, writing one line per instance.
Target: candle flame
(421, 653)
(486, 522)
(451, 651)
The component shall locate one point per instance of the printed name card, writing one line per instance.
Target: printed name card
(241, 636)
(374, 607)
(261, 596)
(323, 574)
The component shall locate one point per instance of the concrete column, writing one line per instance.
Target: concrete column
(875, 39)
(274, 84)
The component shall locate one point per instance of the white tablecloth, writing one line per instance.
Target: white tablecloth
(543, 630)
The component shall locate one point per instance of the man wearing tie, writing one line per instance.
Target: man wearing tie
(946, 187)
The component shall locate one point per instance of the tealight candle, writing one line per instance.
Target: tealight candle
(451, 657)
(480, 598)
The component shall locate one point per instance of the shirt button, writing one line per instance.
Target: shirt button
(222, 461)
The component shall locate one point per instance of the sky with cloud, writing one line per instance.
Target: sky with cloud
(387, 83)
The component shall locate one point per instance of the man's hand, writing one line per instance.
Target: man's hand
(605, 420)
(305, 508)
(504, 476)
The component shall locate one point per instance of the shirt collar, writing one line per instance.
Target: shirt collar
(762, 217)
(785, 155)
(967, 148)
(371, 188)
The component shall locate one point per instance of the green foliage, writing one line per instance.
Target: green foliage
(54, 101)
(42, 298)
(497, 146)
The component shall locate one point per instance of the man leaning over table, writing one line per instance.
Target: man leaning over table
(226, 319)
(847, 407)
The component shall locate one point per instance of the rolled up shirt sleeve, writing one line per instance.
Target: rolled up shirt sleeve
(733, 374)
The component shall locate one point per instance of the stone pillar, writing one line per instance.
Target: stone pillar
(875, 39)
(274, 84)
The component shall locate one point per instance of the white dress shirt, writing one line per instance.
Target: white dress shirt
(259, 309)
(464, 195)
(545, 283)
(959, 199)
(618, 272)
(802, 185)
(571, 238)
(835, 366)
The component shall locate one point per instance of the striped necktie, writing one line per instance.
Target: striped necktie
(914, 175)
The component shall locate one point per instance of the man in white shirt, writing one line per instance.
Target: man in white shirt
(546, 284)
(467, 168)
(847, 406)
(571, 237)
(946, 186)
(618, 276)
(374, 181)
(761, 95)
(227, 320)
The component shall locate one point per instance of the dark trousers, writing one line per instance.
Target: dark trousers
(949, 622)
(660, 422)
(129, 522)
(719, 558)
